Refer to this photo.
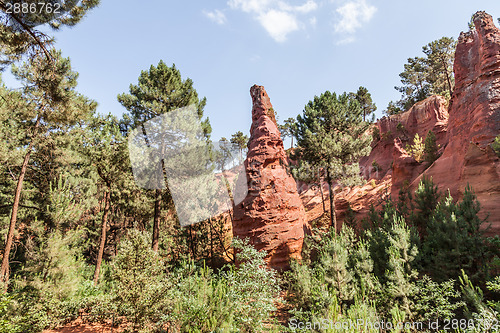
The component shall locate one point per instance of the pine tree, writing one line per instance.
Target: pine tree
(400, 274)
(105, 148)
(160, 90)
(240, 141)
(332, 136)
(52, 84)
(455, 240)
(425, 202)
(425, 76)
(19, 36)
(430, 147)
(416, 150)
(365, 100)
(286, 129)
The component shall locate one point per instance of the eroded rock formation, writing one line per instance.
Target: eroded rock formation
(474, 121)
(272, 215)
(465, 130)
(429, 114)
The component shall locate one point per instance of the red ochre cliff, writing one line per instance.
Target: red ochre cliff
(465, 130)
(474, 121)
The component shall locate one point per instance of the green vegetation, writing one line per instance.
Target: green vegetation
(426, 76)
(375, 133)
(240, 141)
(430, 147)
(496, 145)
(286, 129)
(364, 98)
(331, 137)
(394, 271)
(82, 239)
(416, 150)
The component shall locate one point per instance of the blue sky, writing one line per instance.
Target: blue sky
(296, 49)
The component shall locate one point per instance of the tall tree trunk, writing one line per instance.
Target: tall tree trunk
(4, 270)
(333, 217)
(448, 79)
(102, 243)
(321, 191)
(291, 146)
(156, 221)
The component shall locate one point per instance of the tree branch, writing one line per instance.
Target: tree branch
(27, 29)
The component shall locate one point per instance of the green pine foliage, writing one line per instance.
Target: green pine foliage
(430, 147)
(426, 76)
(332, 136)
(496, 145)
(455, 241)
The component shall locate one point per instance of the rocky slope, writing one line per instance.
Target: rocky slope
(271, 215)
(465, 129)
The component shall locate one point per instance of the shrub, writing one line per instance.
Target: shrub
(416, 150)
(375, 166)
(430, 147)
(141, 281)
(455, 241)
(496, 145)
(387, 135)
(436, 301)
(239, 299)
(400, 127)
(375, 133)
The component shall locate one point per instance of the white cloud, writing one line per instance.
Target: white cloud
(308, 7)
(277, 17)
(353, 15)
(248, 6)
(278, 24)
(217, 16)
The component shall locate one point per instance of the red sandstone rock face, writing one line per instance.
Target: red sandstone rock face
(272, 215)
(429, 114)
(405, 168)
(474, 121)
(465, 135)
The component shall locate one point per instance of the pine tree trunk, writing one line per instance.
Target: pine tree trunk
(321, 191)
(448, 79)
(333, 217)
(156, 221)
(4, 271)
(102, 243)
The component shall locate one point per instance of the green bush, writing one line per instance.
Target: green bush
(496, 145)
(141, 281)
(188, 297)
(375, 133)
(239, 299)
(430, 147)
(416, 150)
